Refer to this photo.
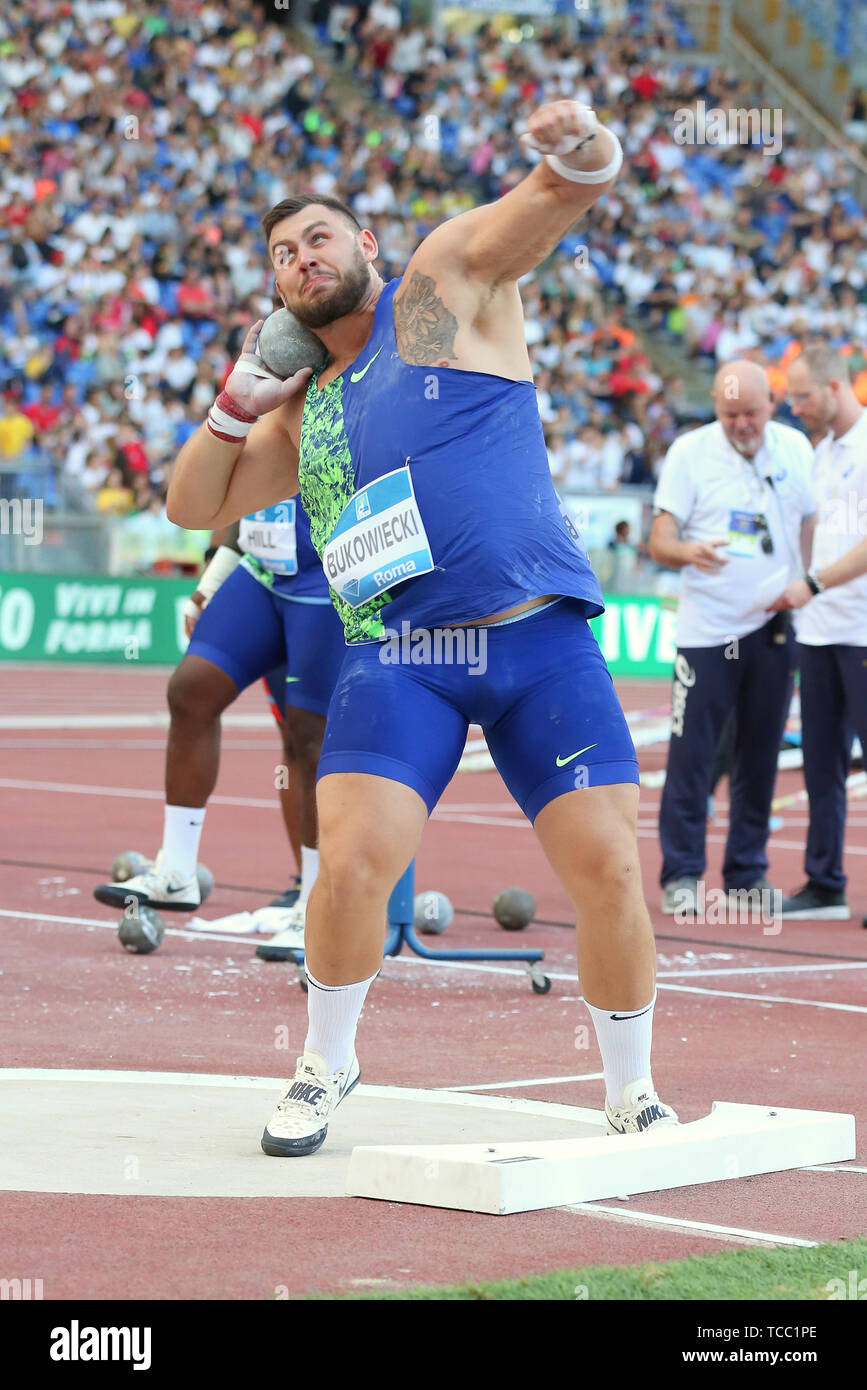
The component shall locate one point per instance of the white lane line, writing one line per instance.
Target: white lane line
(767, 969)
(791, 823)
(142, 720)
(249, 802)
(440, 1096)
(113, 925)
(682, 1224)
(768, 998)
(834, 1168)
(155, 745)
(453, 964)
(685, 989)
(135, 793)
(259, 803)
(530, 1081)
(777, 844)
(462, 819)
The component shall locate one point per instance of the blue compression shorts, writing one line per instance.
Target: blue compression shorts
(248, 631)
(538, 686)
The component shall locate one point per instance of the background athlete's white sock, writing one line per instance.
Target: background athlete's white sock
(624, 1037)
(333, 1012)
(182, 831)
(309, 871)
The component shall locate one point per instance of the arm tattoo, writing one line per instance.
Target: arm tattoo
(424, 328)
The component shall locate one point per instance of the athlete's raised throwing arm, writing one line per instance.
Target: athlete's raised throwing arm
(458, 306)
(498, 243)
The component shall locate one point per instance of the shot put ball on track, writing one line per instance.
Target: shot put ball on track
(514, 908)
(126, 865)
(432, 913)
(285, 345)
(206, 880)
(141, 930)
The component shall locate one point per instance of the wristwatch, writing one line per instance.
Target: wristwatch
(813, 584)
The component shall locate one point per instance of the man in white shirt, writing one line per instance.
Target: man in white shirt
(731, 503)
(832, 629)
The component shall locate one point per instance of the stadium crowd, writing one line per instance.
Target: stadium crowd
(141, 146)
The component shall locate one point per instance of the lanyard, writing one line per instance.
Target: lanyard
(755, 484)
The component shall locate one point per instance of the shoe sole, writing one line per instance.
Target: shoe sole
(286, 899)
(265, 952)
(657, 1124)
(300, 1148)
(817, 914)
(119, 897)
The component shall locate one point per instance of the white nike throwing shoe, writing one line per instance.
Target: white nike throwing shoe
(154, 887)
(289, 933)
(640, 1110)
(300, 1122)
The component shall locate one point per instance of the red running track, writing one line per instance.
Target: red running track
(769, 1019)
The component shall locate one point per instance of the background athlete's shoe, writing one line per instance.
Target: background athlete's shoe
(640, 1110)
(154, 887)
(290, 936)
(290, 897)
(812, 903)
(300, 1122)
(679, 897)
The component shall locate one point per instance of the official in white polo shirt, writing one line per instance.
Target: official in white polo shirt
(832, 622)
(733, 507)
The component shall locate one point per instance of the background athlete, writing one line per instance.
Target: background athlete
(422, 464)
(270, 615)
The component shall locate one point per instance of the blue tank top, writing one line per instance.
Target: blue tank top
(430, 495)
(278, 551)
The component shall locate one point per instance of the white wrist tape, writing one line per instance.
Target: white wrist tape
(222, 423)
(589, 175)
(251, 362)
(220, 567)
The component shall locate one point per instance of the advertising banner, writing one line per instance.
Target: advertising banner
(57, 618)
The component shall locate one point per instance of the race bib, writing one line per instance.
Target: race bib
(744, 535)
(269, 537)
(378, 542)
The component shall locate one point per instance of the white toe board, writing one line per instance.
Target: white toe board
(733, 1141)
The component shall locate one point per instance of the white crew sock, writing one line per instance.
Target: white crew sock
(309, 871)
(332, 1014)
(624, 1037)
(182, 831)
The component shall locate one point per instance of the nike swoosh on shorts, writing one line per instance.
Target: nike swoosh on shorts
(561, 762)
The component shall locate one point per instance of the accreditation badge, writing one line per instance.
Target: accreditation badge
(744, 535)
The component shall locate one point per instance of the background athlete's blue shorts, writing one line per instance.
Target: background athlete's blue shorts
(248, 631)
(542, 694)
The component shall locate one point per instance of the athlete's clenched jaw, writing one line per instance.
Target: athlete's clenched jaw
(323, 268)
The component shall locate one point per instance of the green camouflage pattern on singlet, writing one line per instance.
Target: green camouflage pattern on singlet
(326, 479)
(258, 571)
